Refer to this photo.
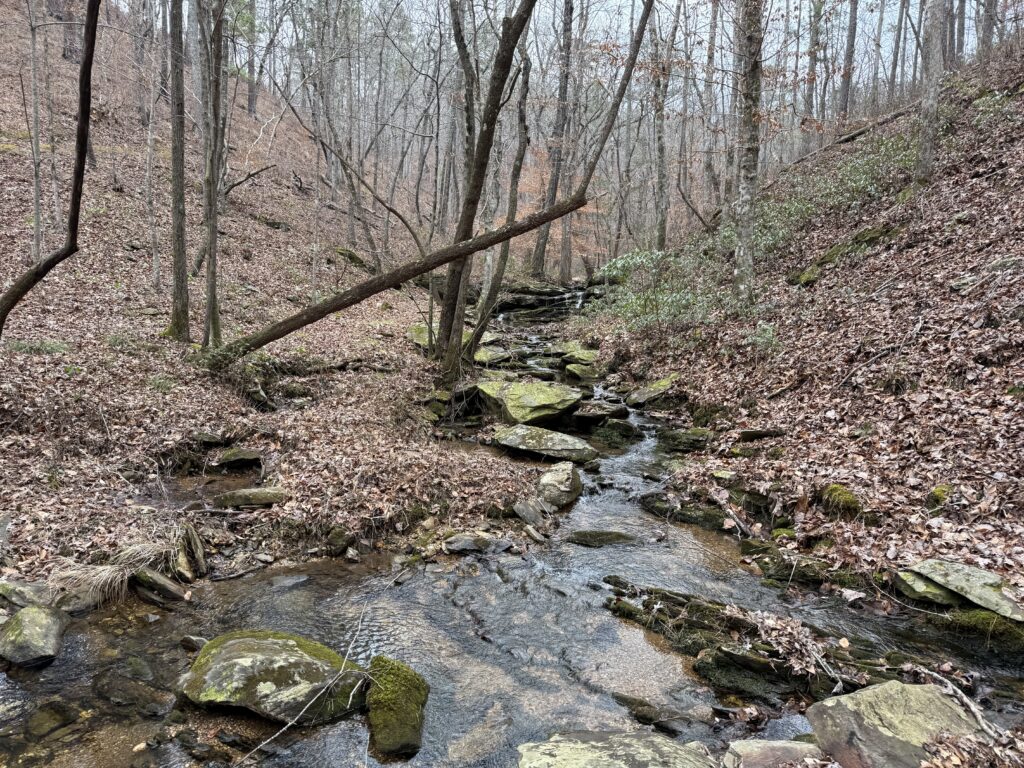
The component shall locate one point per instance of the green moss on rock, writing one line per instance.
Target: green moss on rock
(938, 497)
(840, 501)
(396, 701)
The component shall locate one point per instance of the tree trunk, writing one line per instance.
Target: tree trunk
(932, 66)
(35, 274)
(253, 87)
(557, 137)
(749, 65)
(847, 78)
(813, 47)
(178, 329)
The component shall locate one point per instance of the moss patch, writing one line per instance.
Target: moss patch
(397, 698)
(840, 501)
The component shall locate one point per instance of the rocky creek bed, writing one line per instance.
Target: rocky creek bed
(631, 623)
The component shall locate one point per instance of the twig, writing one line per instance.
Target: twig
(989, 729)
(794, 384)
(885, 351)
(247, 177)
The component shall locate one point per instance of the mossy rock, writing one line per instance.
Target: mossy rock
(529, 402)
(596, 539)
(491, 355)
(396, 702)
(652, 393)
(804, 277)
(240, 458)
(545, 442)
(276, 675)
(724, 672)
(573, 352)
(33, 636)
(783, 533)
(684, 440)
(938, 497)
(981, 587)
(252, 497)
(917, 587)
(617, 433)
(995, 633)
(582, 372)
(705, 414)
(840, 501)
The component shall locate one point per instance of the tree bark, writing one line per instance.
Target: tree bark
(557, 136)
(749, 61)
(35, 274)
(932, 67)
(178, 329)
(846, 82)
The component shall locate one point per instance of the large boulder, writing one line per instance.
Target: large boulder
(522, 402)
(397, 698)
(761, 753)
(545, 442)
(887, 725)
(275, 674)
(652, 392)
(561, 485)
(977, 586)
(640, 749)
(32, 638)
(684, 440)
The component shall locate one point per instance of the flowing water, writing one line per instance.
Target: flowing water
(515, 647)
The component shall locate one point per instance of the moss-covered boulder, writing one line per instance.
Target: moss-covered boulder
(652, 393)
(251, 497)
(240, 458)
(33, 637)
(887, 725)
(561, 485)
(610, 749)
(529, 402)
(692, 512)
(545, 442)
(917, 587)
(276, 675)
(583, 372)
(396, 702)
(573, 352)
(980, 587)
(839, 501)
(418, 335)
(617, 433)
(938, 497)
(804, 277)
(491, 355)
(684, 440)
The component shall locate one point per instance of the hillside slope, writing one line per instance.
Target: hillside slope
(887, 344)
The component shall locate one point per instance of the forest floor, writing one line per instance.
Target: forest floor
(896, 370)
(93, 400)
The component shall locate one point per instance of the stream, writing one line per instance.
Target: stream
(515, 647)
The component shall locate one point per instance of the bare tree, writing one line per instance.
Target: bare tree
(933, 66)
(749, 137)
(178, 329)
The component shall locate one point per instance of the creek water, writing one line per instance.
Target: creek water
(515, 647)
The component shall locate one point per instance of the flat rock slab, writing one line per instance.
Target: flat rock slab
(275, 674)
(597, 411)
(639, 749)
(979, 587)
(529, 402)
(919, 588)
(759, 753)
(33, 637)
(545, 442)
(595, 539)
(652, 392)
(886, 726)
(252, 497)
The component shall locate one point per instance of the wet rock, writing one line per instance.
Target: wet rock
(693, 513)
(159, 584)
(758, 753)
(525, 402)
(652, 393)
(886, 726)
(396, 701)
(666, 719)
(289, 580)
(532, 511)
(561, 485)
(618, 433)
(252, 497)
(466, 543)
(240, 458)
(339, 540)
(986, 630)
(33, 636)
(597, 539)
(275, 674)
(976, 585)
(545, 442)
(193, 643)
(684, 440)
(533, 534)
(596, 412)
(132, 694)
(638, 749)
(743, 494)
(48, 718)
(917, 587)
(24, 593)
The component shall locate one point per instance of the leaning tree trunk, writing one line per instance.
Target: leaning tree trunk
(35, 274)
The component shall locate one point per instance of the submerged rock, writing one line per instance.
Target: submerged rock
(638, 749)
(561, 485)
(50, 716)
(886, 726)
(979, 587)
(275, 674)
(252, 497)
(140, 698)
(545, 442)
(33, 637)
(652, 392)
(760, 753)
(529, 402)
(596, 539)
(397, 698)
